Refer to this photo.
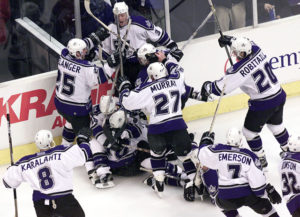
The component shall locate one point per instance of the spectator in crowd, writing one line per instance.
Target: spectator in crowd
(230, 13)
(273, 9)
(4, 16)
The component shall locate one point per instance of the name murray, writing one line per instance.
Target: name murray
(163, 85)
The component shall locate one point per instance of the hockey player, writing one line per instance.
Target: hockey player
(241, 179)
(290, 176)
(160, 98)
(136, 30)
(148, 54)
(253, 75)
(49, 173)
(75, 79)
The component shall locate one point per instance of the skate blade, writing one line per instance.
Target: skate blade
(104, 185)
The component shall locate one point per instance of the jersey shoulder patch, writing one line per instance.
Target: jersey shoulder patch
(142, 22)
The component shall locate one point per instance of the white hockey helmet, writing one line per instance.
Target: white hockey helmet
(156, 71)
(44, 139)
(120, 8)
(104, 102)
(117, 119)
(294, 143)
(234, 137)
(143, 50)
(77, 48)
(241, 45)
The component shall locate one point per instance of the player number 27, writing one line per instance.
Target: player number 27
(162, 102)
(45, 178)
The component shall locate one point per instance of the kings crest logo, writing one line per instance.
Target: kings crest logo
(116, 43)
(148, 23)
(212, 189)
(257, 163)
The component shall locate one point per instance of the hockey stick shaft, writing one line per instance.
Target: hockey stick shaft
(88, 9)
(119, 44)
(167, 175)
(197, 30)
(11, 156)
(212, 8)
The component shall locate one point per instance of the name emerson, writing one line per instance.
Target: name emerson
(39, 161)
(247, 68)
(163, 85)
(69, 65)
(235, 157)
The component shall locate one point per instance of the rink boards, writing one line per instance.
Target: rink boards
(31, 99)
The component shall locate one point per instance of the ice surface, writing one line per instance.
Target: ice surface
(131, 198)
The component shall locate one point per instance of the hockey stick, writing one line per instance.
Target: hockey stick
(88, 9)
(166, 174)
(11, 156)
(197, 30)
(119, 45)
(212, 8)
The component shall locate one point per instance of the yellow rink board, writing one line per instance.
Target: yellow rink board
(194, 112)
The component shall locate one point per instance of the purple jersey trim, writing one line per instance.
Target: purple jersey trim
(294, 203)
(38, 195)
(234, 191)
(267, 102)
(71, 108)
(171, 124)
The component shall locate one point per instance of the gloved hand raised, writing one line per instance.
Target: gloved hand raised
(225, 40)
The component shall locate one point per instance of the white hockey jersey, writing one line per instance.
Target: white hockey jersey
(239, 170)
(75, 80)
(255, 77)
(48, 173)
(161, 99)
(139, 31)
(290, 180)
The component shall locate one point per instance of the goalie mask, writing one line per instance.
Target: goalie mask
(234, 137)
(117, 119)
(44, 139)
(77, 48)
(156, 71)
(107, 106)
(241, 47)
(294, 143)
(145, 52)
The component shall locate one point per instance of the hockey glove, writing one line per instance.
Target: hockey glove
(123, 83)
(114, 59)
(84, 135)
(117, 146)
(225, 40)
(189, 191)
(151, 57)
(100, 35)
(175, 51)
(273, 195)
(205, 91)
(207, 138)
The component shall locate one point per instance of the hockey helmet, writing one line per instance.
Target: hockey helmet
(234, 137)
(117, 119)
(143, 51)
(294, 143)
(106, 102)
(156, 71)
(241, 45)
(44, 139)
(77, 48)
(120, 8)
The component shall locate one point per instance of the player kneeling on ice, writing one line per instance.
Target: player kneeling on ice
(241, 180)
(290, 176)
(160, 98)
(253, 74)
(49, 173)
